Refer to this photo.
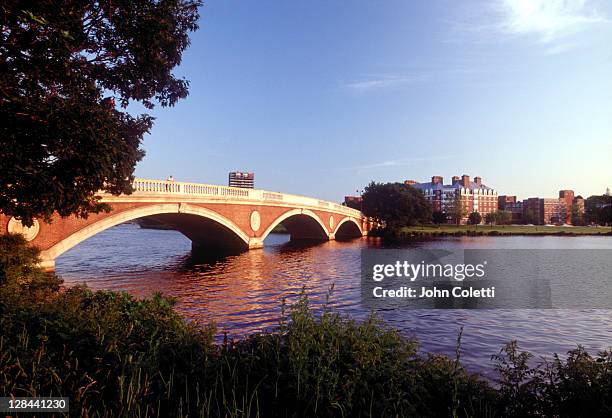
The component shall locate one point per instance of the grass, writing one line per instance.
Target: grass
(505, 230)
(114, 355)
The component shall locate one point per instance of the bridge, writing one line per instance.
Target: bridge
(212, 217)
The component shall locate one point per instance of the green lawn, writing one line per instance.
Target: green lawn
(508, 229)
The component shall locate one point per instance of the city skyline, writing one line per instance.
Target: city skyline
(320, 99)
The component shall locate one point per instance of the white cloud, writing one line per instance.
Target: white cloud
(400, 162)
(549, 19)
(377, 82)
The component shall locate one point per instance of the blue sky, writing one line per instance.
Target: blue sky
(319, 98)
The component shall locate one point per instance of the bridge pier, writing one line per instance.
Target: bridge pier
(255, 243)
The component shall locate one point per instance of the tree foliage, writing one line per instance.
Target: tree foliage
(455, 209)
(20, 276)
(598, 209)
(529, 217)
(474, 218)
(68, 71)
(501, 217)
(577, 215)
(504, 217)
(396, 205)
(438, 217)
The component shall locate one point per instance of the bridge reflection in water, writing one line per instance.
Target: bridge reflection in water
(242, 292)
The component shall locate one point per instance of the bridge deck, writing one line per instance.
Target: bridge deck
(186, 189)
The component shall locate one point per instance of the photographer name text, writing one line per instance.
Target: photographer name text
(434, 292)
(410, 272)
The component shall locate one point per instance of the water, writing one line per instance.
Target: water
(243, 293)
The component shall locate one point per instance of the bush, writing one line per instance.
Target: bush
(580, 386)
(19, 273)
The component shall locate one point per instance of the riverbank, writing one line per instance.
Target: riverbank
(114, 354)
(476, 230)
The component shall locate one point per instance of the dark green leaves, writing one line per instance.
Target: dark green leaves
(63, 66)
(396, 205)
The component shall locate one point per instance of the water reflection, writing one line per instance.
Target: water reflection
(242, 293)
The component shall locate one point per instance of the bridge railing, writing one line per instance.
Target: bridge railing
(147, 186)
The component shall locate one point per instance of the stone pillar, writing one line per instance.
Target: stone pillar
(255, 243)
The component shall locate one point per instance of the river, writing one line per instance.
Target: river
(243, 293)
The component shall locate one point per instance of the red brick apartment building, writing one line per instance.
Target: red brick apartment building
(509, 203)
(543, 210)
(354, 202)
(473, 195)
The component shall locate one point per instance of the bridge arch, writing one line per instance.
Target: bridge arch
(348, 228)
(204, 227)
(301, 224)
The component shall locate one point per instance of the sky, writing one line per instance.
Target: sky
(319, 98)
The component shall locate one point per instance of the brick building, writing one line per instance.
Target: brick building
(242, 180)
(543, 211)
(474, 196)
(353, 202)
(510, 204)
(504, 201)
(553, 211)
(567, 197)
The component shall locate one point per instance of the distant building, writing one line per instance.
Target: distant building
(241, 179)
(567, 196)
(553, 210)
(473, 195)
(579, 203)
(531, 210)
(504, 201)
(353, 202)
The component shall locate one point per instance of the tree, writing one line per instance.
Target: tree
(503, 217)
(68, 73)
(395, 205)
(455, 209)
(438, 217)
(598, 209)
(529, 217)
(577, 215)
(474, 218)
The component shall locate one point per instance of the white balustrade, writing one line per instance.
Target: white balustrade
(146, 186)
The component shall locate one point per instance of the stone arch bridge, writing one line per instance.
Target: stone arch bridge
(212, 217)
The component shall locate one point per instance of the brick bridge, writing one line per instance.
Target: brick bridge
(212, 217)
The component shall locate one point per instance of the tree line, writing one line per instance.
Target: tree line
(398, 205)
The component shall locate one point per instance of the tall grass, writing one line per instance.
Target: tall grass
(115, 355)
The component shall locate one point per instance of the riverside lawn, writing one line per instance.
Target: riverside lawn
(447, 229)
(433, 293)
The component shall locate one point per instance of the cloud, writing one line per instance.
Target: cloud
(378, 82)
(549, 19)
(400, 162)
(561, 48)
